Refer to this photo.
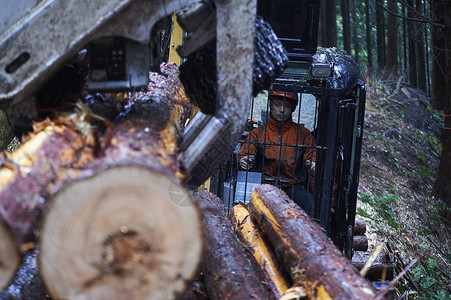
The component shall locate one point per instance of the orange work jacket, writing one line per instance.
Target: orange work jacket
(275, 134)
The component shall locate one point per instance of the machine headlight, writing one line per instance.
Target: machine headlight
(321, 70)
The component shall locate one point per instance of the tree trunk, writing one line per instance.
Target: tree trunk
(113, 200)
(331, 23)
(322, 30)
(346, 26)
(251, 236)
(392, 38)
(438, 76)
(369, 40)
(404, 39)
(442, 187)
(381, 46)
(32, 174)
(355, 36)
(420, 50)
(304, 250)
(411, 28)
(229, 270)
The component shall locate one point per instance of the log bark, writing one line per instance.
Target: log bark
(252, 238)
(304, 250)
(30, 174)
(228, 270)
(115, 213)
(359, 227)
(383, 260)
(360, 243)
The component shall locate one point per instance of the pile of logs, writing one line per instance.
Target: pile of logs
(274, 251)
(101, 205)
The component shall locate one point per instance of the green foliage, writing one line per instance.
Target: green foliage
(421, 156)
(435, 115)
(373, 138)
(383, 207)
(428, 276)
(424, 172)
(435, 144)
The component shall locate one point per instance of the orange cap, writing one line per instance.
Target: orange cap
(288, 95)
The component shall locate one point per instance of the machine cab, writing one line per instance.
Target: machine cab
(331, 101)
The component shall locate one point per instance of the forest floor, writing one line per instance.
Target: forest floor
(400, 156)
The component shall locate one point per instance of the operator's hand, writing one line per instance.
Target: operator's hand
(312, 167)
(247, 162)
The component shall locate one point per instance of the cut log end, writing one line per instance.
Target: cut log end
(124, 233)
(9, 256)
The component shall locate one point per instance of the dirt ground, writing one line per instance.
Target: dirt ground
(400, 158)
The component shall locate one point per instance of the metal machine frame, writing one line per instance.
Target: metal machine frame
(332, 76)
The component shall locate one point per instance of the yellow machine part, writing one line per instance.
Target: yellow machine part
(251, 234)
(176, 40)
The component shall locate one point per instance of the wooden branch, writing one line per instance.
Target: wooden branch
(108, 202)
(301, 246)
(230, 272)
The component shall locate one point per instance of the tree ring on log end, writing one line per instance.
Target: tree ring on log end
(9, 256)
(119, 235)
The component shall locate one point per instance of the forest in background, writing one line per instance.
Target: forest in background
(406, 38)
(403, 47)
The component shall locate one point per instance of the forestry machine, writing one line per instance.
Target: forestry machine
(121, 39)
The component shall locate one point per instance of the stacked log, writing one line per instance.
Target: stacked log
(384, 263)
(303, 249)
(229, 271)
(252, 237)
(108, 206)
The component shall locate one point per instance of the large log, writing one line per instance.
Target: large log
(304, 250)
(122, 234)
(127, 222)
(229, 270)
(32, 173)
(251, 237)
(114, 212)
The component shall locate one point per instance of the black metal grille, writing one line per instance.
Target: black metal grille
(335, 119)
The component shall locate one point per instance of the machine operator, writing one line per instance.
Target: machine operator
(287, 167)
